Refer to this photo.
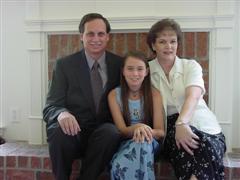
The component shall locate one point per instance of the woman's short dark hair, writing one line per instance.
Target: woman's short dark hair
(90, 17)
(164, 24)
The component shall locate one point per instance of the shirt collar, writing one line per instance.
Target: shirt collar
(101, 60)
(177, 67)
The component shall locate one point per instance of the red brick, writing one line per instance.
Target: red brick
(205, 77)
(44, 176)
(64, 44)
(50, 69)
(75, 43)
(104, 176)
(205, 97)
(1, 161)
(120, 43)
(1, 174)
(11, 161)
(157, 169)
(166, 169)
(13, 174)
(75, 169)
(204, 64)
(131, 41)
(47, 163)
(110, 43)
(35, 162)
(236, 173)
(227, 172)
(189, 44)
(180, 50)
(206, 81)
(23, 162)
(76, 165)
(53, 46)
(74, 176)
(202, 44)
(143, 46)
(206, 84)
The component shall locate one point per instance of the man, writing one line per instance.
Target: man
(76, 112)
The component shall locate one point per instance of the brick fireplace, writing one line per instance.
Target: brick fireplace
(195, 45)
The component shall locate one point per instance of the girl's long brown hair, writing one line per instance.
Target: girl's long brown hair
(145, 91)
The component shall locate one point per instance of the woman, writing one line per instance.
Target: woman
(136, 109)
(194, 142)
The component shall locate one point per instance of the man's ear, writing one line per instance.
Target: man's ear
(108, 36)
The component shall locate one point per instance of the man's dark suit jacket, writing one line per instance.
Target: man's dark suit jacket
(71, 91)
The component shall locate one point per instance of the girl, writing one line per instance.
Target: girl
(136, 109)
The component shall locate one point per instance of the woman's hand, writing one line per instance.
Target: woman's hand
(142, 132)
(186, 138)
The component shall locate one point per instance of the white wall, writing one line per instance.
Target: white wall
(236, 84)
(1, 62)
(27, 23)
(126, 8)
(14, 70)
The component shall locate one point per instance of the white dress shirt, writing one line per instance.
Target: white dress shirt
(183, 74)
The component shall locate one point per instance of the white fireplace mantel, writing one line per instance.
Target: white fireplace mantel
(132, 23)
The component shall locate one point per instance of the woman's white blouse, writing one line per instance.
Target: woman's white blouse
(183, 74)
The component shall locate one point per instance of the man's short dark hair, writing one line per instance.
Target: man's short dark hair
(90, 17)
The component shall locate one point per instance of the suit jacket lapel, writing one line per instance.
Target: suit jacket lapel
(83, 75)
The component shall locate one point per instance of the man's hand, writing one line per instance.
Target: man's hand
(186, 138)
(68, 123)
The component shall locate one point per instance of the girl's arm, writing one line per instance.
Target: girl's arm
(158, 124)
(117, 116)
